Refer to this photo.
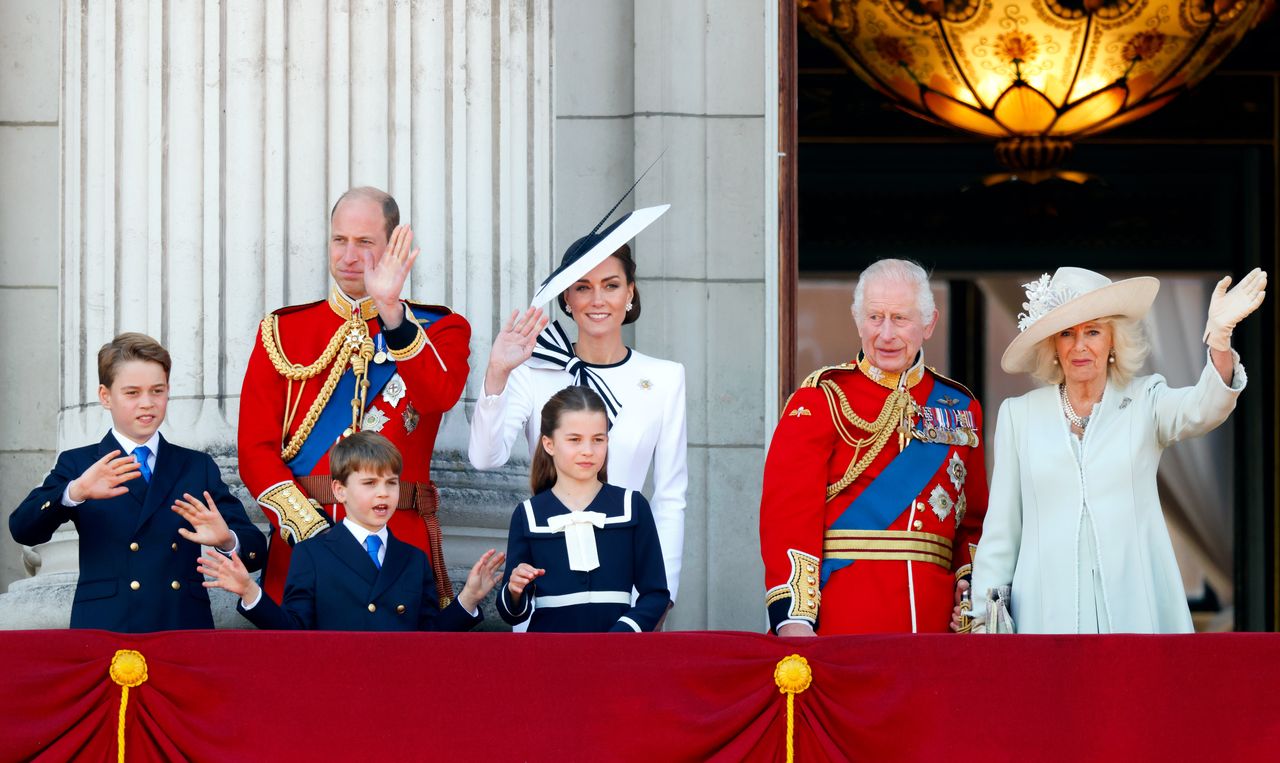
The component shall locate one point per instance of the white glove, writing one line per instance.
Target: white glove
(1227, 308)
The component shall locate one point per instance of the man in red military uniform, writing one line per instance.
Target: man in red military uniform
(362, 359)
(875, 485)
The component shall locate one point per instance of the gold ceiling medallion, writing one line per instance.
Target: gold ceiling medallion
(1035, 75)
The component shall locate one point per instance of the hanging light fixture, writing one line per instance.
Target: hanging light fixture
(1034, 74)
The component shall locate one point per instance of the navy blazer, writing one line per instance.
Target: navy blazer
(137, 574)
(333, 585)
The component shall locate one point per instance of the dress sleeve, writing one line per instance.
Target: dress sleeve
(498, 420)
(671, 482)
(297, 610)
(648, 576)
(1002, 529)
(1184, 412)
(975, 496)
(518, 551)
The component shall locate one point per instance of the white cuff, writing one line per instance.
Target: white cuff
(235, 545)
(252, 604)
(66, 497)
(629, 622)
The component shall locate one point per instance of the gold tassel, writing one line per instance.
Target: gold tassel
(128, 669)
(792, 675)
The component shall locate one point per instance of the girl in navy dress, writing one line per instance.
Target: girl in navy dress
(579, 546)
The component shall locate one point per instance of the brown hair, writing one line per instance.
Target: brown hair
(629, 271)
(542, 471)
(363, 451)
(390, 210)
(126, 347)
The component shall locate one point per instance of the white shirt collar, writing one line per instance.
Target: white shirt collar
(360, 534)
(153, 444)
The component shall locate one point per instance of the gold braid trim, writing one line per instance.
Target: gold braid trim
(806, 596)
(300, 517)
(351, 337)
(896, 413)
(415, 347)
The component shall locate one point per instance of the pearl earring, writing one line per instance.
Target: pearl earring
(628, 307)
(1055, 360)
(1112, 357)
(568, 310)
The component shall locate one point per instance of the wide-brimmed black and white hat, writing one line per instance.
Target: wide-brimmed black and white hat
(583, 255)
(1071, 297)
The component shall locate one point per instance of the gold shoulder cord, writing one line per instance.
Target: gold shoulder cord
(894, 416)
(350, 343)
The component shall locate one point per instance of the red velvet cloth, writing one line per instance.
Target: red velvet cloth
(245, 695)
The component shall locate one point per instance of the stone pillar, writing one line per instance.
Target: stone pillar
(689, 77)
(203, 145)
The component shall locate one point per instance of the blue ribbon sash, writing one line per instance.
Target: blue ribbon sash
(888, 495)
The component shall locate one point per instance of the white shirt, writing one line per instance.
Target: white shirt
(362, 533)
(649, 431)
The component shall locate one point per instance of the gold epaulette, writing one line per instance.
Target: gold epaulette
(812, 379)
(952, 382)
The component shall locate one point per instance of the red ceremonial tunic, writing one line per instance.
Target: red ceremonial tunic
(893, 553)
(431, 373)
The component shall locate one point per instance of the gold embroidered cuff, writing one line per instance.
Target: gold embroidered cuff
(967, 569)
(806, 596)
(299, 516)
(415, 347)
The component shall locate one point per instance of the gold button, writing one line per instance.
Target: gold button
(175, 585)
(133, 546)
(373, 608)
(253, 554)
(918, 524)
(45, 506)
(399, 609)
(808, 568)
(135, 585)
(811, 580)
(174, 547)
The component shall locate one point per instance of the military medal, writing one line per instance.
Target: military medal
(410, 417)
(380, 356)
(394, 391)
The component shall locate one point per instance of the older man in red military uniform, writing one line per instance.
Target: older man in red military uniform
(874, 486)
(362, 359)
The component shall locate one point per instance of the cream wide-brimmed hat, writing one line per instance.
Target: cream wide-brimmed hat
(1071, 297)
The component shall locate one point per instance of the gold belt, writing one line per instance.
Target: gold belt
(887, 545)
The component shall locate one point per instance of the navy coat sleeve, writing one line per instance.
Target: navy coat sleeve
(518, 551)
(253, 544)
(298, 609)
(42, 512)
(649, 572)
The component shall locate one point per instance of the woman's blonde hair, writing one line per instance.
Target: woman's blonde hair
(1128, 341)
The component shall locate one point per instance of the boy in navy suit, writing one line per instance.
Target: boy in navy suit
(357, 576)
(135, 553)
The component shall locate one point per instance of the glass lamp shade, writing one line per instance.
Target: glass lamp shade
(1035, 74)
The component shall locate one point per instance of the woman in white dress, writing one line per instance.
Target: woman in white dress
(1074, 527)
(645, 395)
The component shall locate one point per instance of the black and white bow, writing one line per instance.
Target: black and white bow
(554, 347)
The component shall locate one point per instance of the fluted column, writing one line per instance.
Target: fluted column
(204, 143)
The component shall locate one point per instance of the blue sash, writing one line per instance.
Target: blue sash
(888, 495)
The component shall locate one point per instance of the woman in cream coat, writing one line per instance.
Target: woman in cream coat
(1074, 524)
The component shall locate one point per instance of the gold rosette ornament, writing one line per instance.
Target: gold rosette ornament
(792, 675)
(129, 670)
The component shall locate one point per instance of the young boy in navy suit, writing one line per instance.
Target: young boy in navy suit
(131, 497)
(357, 576)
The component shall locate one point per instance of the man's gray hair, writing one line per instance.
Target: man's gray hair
(904, 271)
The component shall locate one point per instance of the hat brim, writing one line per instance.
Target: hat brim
(1130, 298)
(626, 229)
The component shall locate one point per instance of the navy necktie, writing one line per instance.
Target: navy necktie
(372, 543)
(142, 453)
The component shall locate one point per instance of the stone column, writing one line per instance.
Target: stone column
(689, 77)
(203, 144)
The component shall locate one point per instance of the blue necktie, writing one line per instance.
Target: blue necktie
(373, 543)
(142, 453)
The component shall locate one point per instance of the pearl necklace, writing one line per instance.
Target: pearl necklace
(1072, 416)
